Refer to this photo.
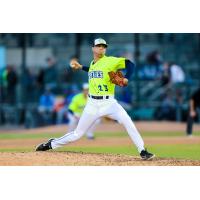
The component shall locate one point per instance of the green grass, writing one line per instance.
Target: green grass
(104, 134)
(127, 150)
(27, 136)
(184, 151)
(165, 151)
(147, 134)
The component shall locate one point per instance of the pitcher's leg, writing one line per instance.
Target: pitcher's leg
(84, 123)
(90, 132)
(122, 117)
(73, 122)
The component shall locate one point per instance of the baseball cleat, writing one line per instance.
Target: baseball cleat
(44, 146)
(145, 155)
(90, 137)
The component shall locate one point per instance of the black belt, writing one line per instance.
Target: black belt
(98, 97)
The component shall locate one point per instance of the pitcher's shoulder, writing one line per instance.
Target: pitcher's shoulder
(115, 57)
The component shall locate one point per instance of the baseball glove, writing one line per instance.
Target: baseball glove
(117, 78)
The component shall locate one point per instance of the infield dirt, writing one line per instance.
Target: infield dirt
(85, 159)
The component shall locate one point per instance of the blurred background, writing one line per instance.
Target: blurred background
(36, 81)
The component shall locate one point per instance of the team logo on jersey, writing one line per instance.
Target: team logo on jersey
(95, 74)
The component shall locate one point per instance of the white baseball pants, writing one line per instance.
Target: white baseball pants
(95, 109)
(73, 122)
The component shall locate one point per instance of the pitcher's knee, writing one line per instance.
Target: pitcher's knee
(125, 120)
(78, 134)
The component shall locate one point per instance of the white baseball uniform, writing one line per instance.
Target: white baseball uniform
(95, 109)
(101, 102)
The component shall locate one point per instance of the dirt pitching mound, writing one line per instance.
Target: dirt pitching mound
(85, 159)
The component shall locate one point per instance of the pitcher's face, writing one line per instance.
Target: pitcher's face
(99, 50)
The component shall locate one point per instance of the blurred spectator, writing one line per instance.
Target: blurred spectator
(166, 111)
(3, 84)
(177, 74)
(61, 113)
(149, 72)
(178, 104)
(152, 69)
(12, 80)
(66, 75)
(59, 103)
(194, 105)
(50, 74)
(166, 74)
(125, 98)
(154, 58)
(46, 106)
(69, 94)
(29, 83)
(59, 108)
(40, 82)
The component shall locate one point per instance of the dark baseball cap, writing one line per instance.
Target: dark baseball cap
(100, 41)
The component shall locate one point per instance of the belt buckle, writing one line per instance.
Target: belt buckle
(98, 97)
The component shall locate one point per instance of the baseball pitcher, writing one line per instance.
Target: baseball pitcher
(103, 75)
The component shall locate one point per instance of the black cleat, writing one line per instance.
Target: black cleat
(145, 155)
(44, 146)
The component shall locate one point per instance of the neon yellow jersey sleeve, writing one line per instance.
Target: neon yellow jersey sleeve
(78, 103)
(99, 80)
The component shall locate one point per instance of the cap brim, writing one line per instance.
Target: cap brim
(102, 44)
